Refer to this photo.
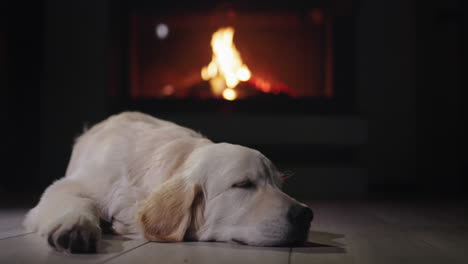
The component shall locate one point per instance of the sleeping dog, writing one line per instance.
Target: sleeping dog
(156, 180)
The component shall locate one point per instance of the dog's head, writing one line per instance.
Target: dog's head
(225, 192)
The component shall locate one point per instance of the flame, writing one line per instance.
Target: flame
(226, 68)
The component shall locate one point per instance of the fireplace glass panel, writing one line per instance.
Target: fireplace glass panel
(288, 54)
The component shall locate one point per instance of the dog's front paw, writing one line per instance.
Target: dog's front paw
(74, 234)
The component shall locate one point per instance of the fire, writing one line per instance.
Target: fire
(226, 68)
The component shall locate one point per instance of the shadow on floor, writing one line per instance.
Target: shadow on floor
(322, 242)
(231, 245)
(318, 242)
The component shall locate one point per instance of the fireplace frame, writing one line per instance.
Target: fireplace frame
(341, 102)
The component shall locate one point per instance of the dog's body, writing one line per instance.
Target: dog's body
(154, 179)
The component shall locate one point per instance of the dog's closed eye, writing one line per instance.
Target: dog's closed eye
(244, 184)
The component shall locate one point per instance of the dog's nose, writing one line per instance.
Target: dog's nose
(300, 215)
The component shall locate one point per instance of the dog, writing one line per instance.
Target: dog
(154, 179)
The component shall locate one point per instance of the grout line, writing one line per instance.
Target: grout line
(3, 238)
(289, 255)
(124, 252)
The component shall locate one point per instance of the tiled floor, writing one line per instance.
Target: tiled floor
(342, 232)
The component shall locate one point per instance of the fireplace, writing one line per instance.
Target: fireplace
(242, 57)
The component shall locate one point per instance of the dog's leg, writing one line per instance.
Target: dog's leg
(67, 218)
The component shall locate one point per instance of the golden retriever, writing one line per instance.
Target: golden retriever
(154, 179)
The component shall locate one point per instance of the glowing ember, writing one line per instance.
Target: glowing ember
(226, 69)
(229, 94)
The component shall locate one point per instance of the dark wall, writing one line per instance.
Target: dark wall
(409, 64)
(441, 76)
(386, 62)
(76, 37)
(21, 62)
(53, 78)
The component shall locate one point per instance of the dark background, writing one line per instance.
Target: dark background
(404, 137)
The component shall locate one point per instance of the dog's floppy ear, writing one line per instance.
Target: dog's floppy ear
(166, 214)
